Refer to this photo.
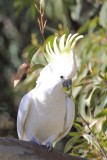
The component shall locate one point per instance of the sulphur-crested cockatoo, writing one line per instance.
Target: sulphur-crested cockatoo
(46, 113)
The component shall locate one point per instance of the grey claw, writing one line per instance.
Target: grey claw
(36, 140)
(49, 146)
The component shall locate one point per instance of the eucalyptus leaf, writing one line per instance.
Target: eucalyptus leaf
(38, 58)
(95, 98)
(89, 93)
(102, 113)
(76, 10)
(73, 134)
(78, 127)
(104, 126)
(93, 24)
(70, 143)
(84, 27)
(102, 104)
(35, 67)
(103, 15)
(80, 147)
(32, 51)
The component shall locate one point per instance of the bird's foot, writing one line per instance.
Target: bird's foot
(49, 146)
(36, 140)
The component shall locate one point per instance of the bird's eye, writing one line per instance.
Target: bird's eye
(61, 77)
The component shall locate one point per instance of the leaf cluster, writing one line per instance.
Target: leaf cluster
(90, 93)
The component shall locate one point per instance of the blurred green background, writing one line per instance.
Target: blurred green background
(20, 39)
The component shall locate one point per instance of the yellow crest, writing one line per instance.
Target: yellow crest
(61, 46)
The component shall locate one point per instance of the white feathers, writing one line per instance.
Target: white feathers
(61, 43)
(56, 50)
(47, 103)
(67, 41)
(61, 46)
(77, 38)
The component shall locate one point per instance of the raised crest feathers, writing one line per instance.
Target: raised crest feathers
(61, 46)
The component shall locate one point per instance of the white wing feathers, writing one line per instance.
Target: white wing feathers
(22, 114)
(69, 118)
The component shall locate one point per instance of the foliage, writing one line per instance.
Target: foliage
(88, 136)
(90, 94)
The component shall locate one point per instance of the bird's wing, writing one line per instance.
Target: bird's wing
(69, 118)
(22, 113)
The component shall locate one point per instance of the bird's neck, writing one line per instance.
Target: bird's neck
(50, 93)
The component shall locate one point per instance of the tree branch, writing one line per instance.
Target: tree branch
(14, 149)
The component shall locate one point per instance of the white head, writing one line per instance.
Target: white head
(61, 58)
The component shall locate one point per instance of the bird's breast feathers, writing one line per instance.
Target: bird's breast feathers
(46, 116)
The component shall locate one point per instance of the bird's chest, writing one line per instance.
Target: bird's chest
(50, 106)
(50, 113)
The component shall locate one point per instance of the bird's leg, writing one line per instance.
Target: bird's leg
(49, 145)
(36, 140)
(49, 141)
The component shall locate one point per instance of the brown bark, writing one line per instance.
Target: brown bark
(14, 149)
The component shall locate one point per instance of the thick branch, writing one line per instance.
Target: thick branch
(14, 149)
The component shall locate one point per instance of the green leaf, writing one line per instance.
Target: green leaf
(104, 126)
(70, 143)
(76, 10)
(101, 114)
(78, 127)
(29, 51)
(32, 50)
(82, 107)
(89, 92)
(82, 147)
(103, 15)
(35, 67)
(84, 27)
(93, 24)
(73, 134)
(100, 75)
(95, 98)
(102, 104)
(38, 58)
(17, 3)
(50, 39)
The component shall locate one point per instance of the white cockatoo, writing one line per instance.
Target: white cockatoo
(46, 113)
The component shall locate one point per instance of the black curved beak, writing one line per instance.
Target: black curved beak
(67, 83)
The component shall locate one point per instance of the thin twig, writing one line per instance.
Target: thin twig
(99, 146)
(37, 8)
(41, 21)
(50, 29)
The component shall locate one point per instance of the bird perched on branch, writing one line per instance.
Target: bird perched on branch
(46, 113)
